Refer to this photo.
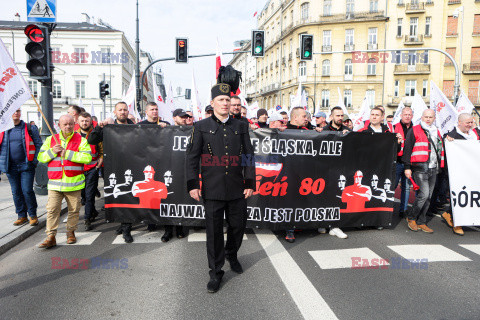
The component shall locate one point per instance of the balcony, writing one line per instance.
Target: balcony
(471, 68)
(365, 15)
(415, 8)
(349, 47)
(413, 40)
(454, 1)
(372, 46)
(327, 48)
(412, 69)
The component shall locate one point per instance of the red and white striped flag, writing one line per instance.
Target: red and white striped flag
(268, 169)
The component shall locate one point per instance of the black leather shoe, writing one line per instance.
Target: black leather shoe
(213, 285)
(235, 266)
(88, 225)
(119, 230)
(167, 236)
(127, 236)
(94, 216)
(151, 227)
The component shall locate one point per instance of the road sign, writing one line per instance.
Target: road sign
(42, 10)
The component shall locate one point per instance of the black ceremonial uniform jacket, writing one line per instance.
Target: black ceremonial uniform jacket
(224, 154)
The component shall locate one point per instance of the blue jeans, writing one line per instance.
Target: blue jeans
(426, 181)
(406, 184)
(21, 178)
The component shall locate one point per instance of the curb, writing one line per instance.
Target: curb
(20, 234)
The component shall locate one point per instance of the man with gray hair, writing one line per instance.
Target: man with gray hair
(463, 131)
(423, 156)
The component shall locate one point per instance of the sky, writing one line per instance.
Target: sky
(161, 21)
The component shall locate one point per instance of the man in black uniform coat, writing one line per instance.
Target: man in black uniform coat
(220, 146)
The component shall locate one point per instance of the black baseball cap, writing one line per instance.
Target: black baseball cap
(180, 113)
(208, 108)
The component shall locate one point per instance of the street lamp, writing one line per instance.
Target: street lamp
(456, 14)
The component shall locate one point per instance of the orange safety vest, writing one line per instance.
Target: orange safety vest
(421, 148)
(29, 145)
(57, 166)
(94, 161)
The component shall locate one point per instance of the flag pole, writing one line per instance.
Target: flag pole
(45, 119)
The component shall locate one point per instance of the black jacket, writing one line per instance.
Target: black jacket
(329, 127)
(239, 117)
(223, 154)
(295, 127)
(385, 129)
(96, 136)
(148, 122)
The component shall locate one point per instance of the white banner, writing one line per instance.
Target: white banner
(197, 108)
(445, 113)
(464, 176)
(14, 90)
(464, 105)
(398, 114)
(418, 106)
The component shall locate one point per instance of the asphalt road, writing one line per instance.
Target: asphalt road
(312, 278)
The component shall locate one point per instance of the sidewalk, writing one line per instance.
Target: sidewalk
(11, 235)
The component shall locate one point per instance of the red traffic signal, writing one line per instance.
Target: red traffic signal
(34, 33)
(181, 50)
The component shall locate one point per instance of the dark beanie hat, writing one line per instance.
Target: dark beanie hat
(220, 89)
(261, 112)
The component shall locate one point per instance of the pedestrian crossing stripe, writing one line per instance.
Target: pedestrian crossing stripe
(475, 248)
(144, 237)
(345, 258)
(431, 252)
(83, 238)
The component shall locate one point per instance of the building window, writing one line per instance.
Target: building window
(448, 88)
(327, 7)
(452, 23)
(425, 57)
(326, 67)
(33, 86)
(106, 55)
(476, 24)
(347, 98)
(325, 98)
(400, 2)
(410, 86)
(413, 27)
(450, 51)
(373, 6)
(57, 89)
(397, 57)
(349, 34)
(350, 6)
(302, 69)
(370, 98)
(348, 70)
(428, 23)
(474, 91)
(291, 16)
(327, 37)
(372, 67)
(372, 35)
(304, 10)
(396, 88)
(424, 88)
(79, 88)
(79, 55)
(399, 27)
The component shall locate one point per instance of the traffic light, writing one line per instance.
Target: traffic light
(258, 43)
(181, 50)
(103, 89)
(38, 49)
(306, 45)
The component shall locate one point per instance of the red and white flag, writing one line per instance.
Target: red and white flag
(445, 114)
(398, 114)
(252, 110)
(340, 102)
(418, 106)
(218, 60)
(164, 111)
(464, 105)
(268, 169)
(14, 91)
(362, 116)
(130, 97)
(197, 107)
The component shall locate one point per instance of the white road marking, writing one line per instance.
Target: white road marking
(83, 238)
(475, 248)
(202, 236)
(344, 258)
(306, 297)
(431, 252)
(141, 237)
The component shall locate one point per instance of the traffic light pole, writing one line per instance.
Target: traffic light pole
(46, 101)
(170, 59)
(104, 107)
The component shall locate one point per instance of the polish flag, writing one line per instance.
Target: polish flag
(268, 169)
(255, 14)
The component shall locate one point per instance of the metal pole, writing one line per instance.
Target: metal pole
(315, 87)
(461, 46)
(137, 75)
(457, 70)
(104, 109)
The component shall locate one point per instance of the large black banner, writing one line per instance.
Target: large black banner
(304, 179)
